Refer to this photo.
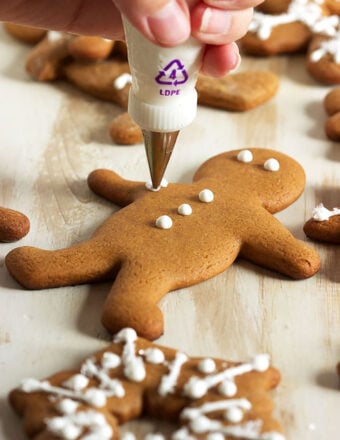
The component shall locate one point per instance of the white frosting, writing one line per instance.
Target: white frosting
(153, 355)
(134, 368)
(76, 382)
(327, 47)
(320, 213)
(169, 381)
(182, 434)
(184, 209)
(113, 386)
(206, 196)
(227, 388)
(206, 366)
(197, 387)
(54, 36)
(127, 436)
(67, 406)
(233, 415)
(164, 222)
(122, 80)
(245, 156)
(110, 360)
(215, 436)
(149, 187)
(70, 427)
(271, 164)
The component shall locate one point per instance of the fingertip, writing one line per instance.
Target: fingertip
(220, 60)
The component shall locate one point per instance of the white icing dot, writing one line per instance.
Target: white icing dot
(184, 209)
(182, 434)
(135, 370)
(227, 388)
(215, 436)
(149, 186)
(164, 222)
(206, 196)
(67, 406)
(154, 356)
(271, 165)
(154, 437)
(195, 388)
(76, 382)
(234, 415)
(127, 436)
(200, 424)
(95, 397)
(71, 432)
(122, 80)
(261, 362)
(110, 360)
(206, 366)
(245, 156)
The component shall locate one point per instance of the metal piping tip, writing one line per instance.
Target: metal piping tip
(158, 147)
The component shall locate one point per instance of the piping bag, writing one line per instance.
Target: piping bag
(162, 98)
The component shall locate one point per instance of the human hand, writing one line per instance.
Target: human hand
(216, 23)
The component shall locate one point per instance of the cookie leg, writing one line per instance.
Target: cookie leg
(132, 302)
(36, 268)
(274, 247)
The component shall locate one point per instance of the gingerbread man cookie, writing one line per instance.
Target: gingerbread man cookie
(178, 236)
(210, 399)
(324, 225)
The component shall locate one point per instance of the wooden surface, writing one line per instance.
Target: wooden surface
(52, 136)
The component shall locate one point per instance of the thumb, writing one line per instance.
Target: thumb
(164, 22)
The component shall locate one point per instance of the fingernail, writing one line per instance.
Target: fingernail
(169, 25)
(215, 21)
(238, 58)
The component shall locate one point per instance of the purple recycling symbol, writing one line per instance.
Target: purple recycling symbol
(173, 74)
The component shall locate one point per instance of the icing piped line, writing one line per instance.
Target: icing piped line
(327, 47)
(320, 213)
(168, 381)
(134, 368)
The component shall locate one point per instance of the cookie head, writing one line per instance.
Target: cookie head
(272, 177)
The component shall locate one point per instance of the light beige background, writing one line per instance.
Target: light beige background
(52, 136)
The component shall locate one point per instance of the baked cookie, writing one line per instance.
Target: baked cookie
(332, 101)
(13, 225)
(26, 34)
(208, 398)
(90, 48)
(324, 225)
(323, 59)
(332, 107)
(124, 131)
(237, 92)
(178, 236)
(273, 7)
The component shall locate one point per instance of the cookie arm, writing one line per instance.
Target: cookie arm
(274, 247)
(111, 186)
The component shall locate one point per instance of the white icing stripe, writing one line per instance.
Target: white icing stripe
(328, 47)
(320, 213)
(114, 386)
(191, 413)
(168, 381)
(70, 427)
(134, 368)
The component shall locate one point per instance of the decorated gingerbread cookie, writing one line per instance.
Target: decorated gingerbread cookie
(178, 236)
(13, 225)
(210, 399)
(324, 225)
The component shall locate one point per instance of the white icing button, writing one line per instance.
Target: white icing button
(181, 434)
(271, 165)
(71, 432)
(154, 356)
(184, 209)
(215, 436)
(67, 406)
(128, 436)
(95, 397)
(195, 388)
(76, 382)
(227, 388)
(261, 362)
(234, 415)
(200, 425)
(206, 196)
(206, 366)
(164, 222)
(110, 360)
(245, 156)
